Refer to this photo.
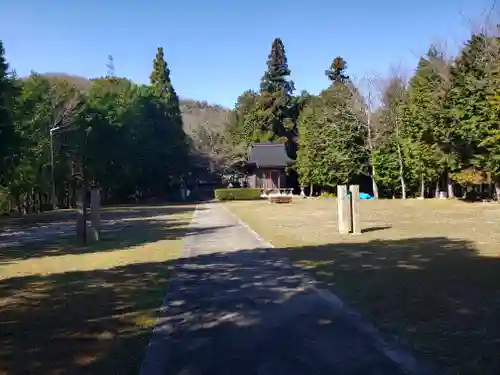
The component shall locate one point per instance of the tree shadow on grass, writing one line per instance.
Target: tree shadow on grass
(107, 212)
(128, 231)
(437, 295)
(62, 218)
(249, 311)
(135, 211)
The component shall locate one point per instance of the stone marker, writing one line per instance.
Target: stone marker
(356, 225)
(343, 209)
(95, 214)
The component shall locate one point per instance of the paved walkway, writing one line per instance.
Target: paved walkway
(235, 308)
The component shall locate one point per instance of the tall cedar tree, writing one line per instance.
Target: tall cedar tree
(7, 92)
(475, 81)
(425, 150)
(276, 77)
(176, 138)
(469, 99)
(270, 118)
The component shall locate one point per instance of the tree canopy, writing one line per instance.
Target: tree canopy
(437, 130)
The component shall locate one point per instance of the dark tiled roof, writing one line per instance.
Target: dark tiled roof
(268, 155)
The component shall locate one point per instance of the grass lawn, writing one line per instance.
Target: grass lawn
(73, 309)
(427, 272)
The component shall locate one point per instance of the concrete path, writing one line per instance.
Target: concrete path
(234, 307)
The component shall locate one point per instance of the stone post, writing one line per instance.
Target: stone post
(95, 214)
(355, 200)
(343, 208)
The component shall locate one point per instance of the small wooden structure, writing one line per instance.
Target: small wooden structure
(266, 166)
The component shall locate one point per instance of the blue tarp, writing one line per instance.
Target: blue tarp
(365, 196)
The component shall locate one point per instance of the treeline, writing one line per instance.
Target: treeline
(123, 137)
(438, 130)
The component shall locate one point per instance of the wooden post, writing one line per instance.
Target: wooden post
(343, 210)
(355, 200)
(95, 214)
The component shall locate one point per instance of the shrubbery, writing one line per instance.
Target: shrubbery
(239, 194)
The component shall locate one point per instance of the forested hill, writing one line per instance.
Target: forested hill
(195, 114)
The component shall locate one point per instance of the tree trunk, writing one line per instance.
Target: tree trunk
(497, 188)
(311, 190)
(374, 183)
(436, 189)
(39, 201)
(422, 186)
(18, 204)
(29, 201)
(449, 183)
(401, 171)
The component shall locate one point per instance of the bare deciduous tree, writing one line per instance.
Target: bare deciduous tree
(393, 91)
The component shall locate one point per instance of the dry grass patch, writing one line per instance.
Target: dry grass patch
(72, 309)
(425, 271)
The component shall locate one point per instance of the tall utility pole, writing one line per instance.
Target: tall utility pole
(111, 67)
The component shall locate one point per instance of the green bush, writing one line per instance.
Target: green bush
(238, 194)
(328, 195)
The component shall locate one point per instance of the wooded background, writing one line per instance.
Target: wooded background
(438, 129)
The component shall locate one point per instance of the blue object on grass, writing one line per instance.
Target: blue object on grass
(365, 196)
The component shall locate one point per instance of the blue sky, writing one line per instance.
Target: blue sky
(216, 49)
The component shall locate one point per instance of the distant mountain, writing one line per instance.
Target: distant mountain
(196, 114)
(205, 124)
(77, 81)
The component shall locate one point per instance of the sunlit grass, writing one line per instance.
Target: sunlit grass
(72, 309)
(425, 271)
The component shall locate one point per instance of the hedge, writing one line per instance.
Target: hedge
(239, 194)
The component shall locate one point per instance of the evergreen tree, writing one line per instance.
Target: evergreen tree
(336, 73)
(469, 98)
(273, 113)
(162, 85)
(473, 111)
(426, 154)
(276, 78)
(331, 141)
(7, 94)
(169, 120)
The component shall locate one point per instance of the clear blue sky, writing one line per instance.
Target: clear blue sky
(216, 49)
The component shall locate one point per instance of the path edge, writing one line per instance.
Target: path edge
(154, 358)
(402, 358)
